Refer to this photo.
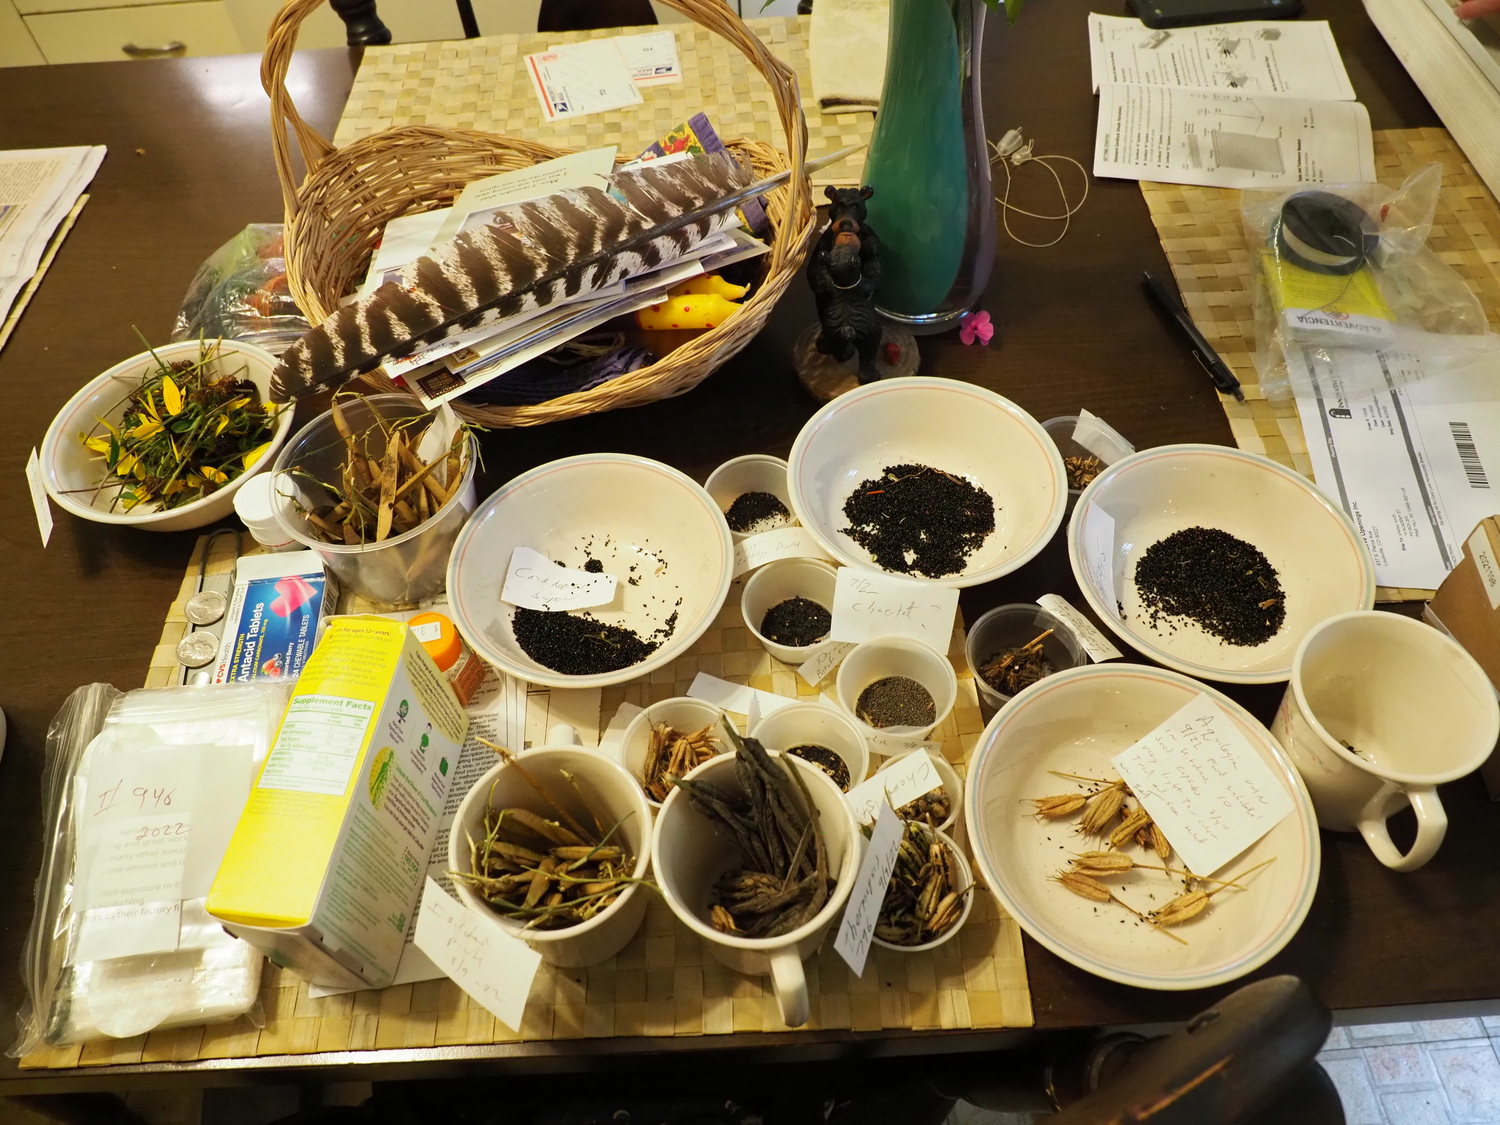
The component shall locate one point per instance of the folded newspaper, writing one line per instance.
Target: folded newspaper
(38, 188)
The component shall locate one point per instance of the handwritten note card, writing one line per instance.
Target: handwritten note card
(870, 883)
(868, 604)
(736, 697)
(1099, 555)
(899, 785)
(536, 582)
(826, 656)
(768, 546)
(1090, 639)
(1204, 784)
(39, 496)
(481, 958)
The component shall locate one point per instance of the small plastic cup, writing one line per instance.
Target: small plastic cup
(755, 472)
(682, 713)
(820, 725)
(1011, 626)
(896, 656)
(951, 782)
(773, 584)
(402, 570)
(1060, 430)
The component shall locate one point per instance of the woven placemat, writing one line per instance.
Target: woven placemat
(665, 982)
(482, 84)
(1204, 240)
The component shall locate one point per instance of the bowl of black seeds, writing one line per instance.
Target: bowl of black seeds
(822, 737)
(657, 532)
(933, 479)
(788, 607)
(1213, 561)
(752, 493)
(897, 689)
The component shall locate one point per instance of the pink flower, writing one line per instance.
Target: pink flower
(975, 327)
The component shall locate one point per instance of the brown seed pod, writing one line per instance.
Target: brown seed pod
(1159, 842)
(1134, 821)
(1102, 863)
(1054, 808)
(1102, 808)
(1181, 909)
(1084, 885)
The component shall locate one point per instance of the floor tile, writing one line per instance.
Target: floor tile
(1491, 1024)
(1374, 1034)
(1416, 1107)
(1471, 1078)
(1439, 1030)
(1361, 1106)
(1399, 1064)
(1338, 1039)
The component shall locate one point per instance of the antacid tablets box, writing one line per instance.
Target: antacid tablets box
(326, 863)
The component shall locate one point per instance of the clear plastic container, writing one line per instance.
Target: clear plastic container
(1060, 430)
(402, 570)
(1010, 626)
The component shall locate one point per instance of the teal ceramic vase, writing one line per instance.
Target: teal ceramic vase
(928, 165)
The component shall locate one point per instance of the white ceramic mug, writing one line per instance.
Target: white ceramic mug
(1380, 710)
(690, 853)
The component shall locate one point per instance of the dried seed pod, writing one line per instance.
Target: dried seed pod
(1054, 808)
(1159, 842)
(586, 852)
(535, 825)
(1134, 821)
(1084, 885)
(1102, 808)
(1102, 863)
(722, 920)
(1181, 909)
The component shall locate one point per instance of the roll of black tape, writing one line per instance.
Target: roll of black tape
(1326, 233)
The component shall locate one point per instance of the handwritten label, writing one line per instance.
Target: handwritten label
(870, 883)
(768, 546)
(1090, 639)
(1205, 785)
(481, 958)
(1485, 564)
(867, 605)
(1099, 555)
(826, 656)
(536, 582)
(1100, 438)
(428, 632)
(897, 785)
(39, 496)
(735, 697)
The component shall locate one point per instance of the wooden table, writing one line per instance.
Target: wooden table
(189, 165)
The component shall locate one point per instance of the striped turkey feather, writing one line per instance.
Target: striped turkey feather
(529, 255)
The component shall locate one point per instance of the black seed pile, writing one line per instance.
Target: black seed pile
(896, 701)
(797, 621)
(826, 760)
(1225, 585)
(919, 520)
(594, 566)
(579, 644)
(757, 511)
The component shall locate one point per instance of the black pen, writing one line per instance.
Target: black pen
(1203, 351)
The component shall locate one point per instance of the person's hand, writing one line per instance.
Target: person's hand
(1474, 9)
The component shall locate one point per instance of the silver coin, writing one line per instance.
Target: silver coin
(205, 607)
(197, 649)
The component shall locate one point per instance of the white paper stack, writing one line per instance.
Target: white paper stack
(38, 189)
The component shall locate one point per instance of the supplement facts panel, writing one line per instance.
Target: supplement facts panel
(318, 745)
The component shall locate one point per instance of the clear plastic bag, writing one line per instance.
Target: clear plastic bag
(1347, 266)
(211, 976)
(240, 293)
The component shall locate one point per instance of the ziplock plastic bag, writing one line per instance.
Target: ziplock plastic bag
(1347, 266)
(211, 976)
(241, 293)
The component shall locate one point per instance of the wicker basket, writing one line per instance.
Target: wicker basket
(335, 217)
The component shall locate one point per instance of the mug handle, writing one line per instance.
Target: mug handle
(790, 983)
(1432, 826)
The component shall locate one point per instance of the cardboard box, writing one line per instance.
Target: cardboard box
(325, 866)
(1467, 608)
(276, 612)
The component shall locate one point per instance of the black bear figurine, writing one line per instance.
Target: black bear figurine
(844, 272)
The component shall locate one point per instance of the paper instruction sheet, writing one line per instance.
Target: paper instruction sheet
(1412, 464)
(1228, 140)
(1281, 57)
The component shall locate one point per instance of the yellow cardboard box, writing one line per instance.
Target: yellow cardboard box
(326, 863)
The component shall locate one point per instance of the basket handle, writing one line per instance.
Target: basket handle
(281, 41)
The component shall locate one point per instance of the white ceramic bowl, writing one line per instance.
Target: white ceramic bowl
(67, 466)
(1324, 567)
(1076, 721)
(626, 512)
(613, 795)
(957, 427)
(951, 782)
(896, 656)
(963, 877)
(682, 713)
(773, 584)
(821, 725)
(755, 472)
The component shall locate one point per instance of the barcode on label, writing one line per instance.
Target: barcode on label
(1468, 455)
